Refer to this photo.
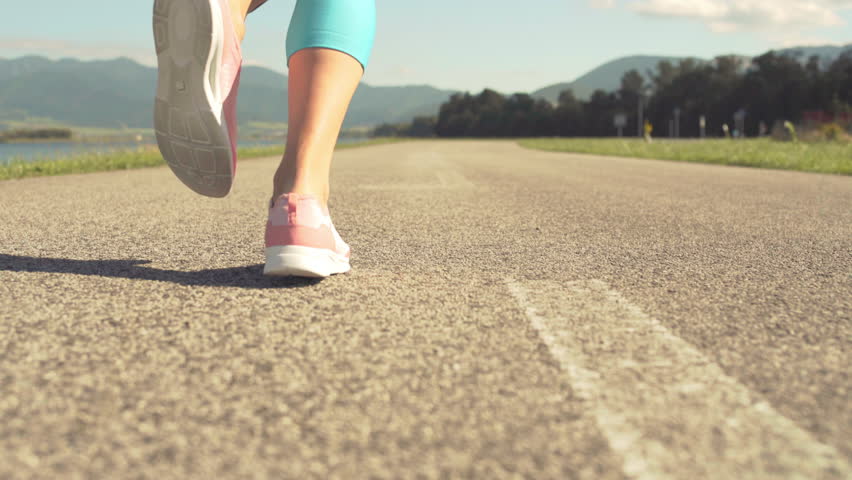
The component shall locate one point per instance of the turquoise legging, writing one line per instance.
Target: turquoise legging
(345, 25)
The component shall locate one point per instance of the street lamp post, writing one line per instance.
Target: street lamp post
(641, 126)
(677, 122)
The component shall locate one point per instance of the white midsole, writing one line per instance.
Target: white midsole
(211, 68)
(296, 260)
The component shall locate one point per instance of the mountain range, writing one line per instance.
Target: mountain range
(608, 76)
(118, 93)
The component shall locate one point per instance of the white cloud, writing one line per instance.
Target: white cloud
(602, 3)
(736, 15)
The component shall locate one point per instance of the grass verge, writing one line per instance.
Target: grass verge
(820, 157)
(130, 159)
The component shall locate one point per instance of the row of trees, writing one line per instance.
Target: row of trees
(35, 134)
(774, 88)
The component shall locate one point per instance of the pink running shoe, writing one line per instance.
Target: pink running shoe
(301, 241)
(195, 117)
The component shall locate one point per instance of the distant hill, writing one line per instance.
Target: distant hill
(608, 76)
(98, 93)
(828, 53)
(117, 93)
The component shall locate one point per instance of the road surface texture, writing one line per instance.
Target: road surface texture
(510, 314)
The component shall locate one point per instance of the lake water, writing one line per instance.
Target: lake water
(43, 151)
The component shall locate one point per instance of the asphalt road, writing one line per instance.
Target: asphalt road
(510, 314)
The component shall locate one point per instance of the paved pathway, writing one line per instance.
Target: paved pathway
(510, 314)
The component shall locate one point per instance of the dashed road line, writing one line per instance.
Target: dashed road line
(668, 410)
(453, 179)
(447, 179)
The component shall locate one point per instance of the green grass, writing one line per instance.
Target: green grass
(821, 157)
(126, 160)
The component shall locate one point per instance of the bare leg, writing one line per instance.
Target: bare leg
(239, 11)
(321, 84)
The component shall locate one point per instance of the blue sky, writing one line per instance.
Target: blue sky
(462, 44)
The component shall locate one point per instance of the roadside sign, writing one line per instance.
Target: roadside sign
(739, 122)
(620, 121)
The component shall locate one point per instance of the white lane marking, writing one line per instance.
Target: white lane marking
(668, 410)
(453, 179)
(447, 180)
(428, 163)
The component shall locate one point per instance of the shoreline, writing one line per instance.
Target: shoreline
(827, 158)
(133, 159)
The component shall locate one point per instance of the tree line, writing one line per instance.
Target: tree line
(674, 97)
(35, 134)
